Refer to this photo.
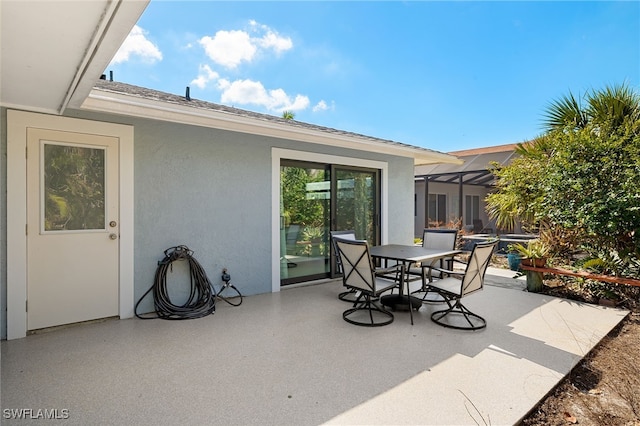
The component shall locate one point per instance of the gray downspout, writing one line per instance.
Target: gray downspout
(426, 201)
(460, 198)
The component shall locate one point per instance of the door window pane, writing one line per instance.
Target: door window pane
(305, 196)
(472, 209)
(437, 209)
(74, 188)
(356, 203)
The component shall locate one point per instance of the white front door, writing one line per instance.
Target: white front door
(72, 227)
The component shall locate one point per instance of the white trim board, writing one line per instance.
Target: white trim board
(278, 154)
(17, 124)
(102, 100)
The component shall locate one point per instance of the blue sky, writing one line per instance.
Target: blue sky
(441, 75)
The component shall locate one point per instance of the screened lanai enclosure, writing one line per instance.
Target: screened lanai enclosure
(449, 195)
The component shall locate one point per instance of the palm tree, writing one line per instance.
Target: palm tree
(604, 109)
(288, 115)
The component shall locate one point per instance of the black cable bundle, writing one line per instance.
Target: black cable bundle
(235, 299)
(202, 298)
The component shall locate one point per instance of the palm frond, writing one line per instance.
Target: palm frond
(535, 148)
(613, 105)
(564, 113)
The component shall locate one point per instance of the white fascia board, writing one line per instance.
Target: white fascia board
(116, 103)
(117, 20)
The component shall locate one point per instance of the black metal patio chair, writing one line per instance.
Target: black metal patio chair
(444, 239)
(350, 295)
(360, 274)
(453, 290)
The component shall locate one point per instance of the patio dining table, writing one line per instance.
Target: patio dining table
(408, 255)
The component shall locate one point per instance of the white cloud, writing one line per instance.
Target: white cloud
(231, 48)
(137, 44)
(270, 38)
(205, 76)
(275, 42)
(322, 106)
(246, 92)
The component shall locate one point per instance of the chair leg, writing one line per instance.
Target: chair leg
(474, 321)
(348, 296)
(436, 298)
(409, 299)
(370, 308)
(433, 297)
(351, 295)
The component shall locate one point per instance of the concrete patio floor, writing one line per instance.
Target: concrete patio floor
(288, 358)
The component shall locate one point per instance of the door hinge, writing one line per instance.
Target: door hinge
(26, 306)
(26, 229)
(26, 153)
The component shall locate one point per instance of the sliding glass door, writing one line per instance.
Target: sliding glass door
(316, 198)
(305, 201)
(356, 204)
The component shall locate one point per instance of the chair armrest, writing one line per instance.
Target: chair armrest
(445, 271)
(459, 261)
(448, 271)
(395, 273)
(395, 268)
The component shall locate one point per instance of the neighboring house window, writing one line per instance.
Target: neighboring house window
(472, 209)
(438, 209)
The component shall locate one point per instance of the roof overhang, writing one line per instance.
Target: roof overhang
(53, 51)
(124, 104)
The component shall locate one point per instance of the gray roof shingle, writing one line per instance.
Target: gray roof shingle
(144, 93)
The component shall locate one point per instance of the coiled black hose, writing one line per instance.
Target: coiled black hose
(202, 297)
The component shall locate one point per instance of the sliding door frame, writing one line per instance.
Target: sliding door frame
(335, 207)
(278, 154)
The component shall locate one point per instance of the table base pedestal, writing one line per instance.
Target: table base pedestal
(399, 302)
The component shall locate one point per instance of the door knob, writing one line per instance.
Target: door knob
(113, 236)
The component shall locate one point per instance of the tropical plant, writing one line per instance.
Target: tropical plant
(313, 233)
(610, 263)
(315, 236)
(296, 207)
(580, 178)
(288, 115)
(606, 109)
(591, 187)
(518, 193)
(532, 249)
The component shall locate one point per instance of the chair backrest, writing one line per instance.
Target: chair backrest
(292, 234)
(473, 279)
(439, 238)
(345, 235)
(358, 269)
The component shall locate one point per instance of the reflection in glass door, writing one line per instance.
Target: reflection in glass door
(356, 203)
(305, 196)
(314, 199)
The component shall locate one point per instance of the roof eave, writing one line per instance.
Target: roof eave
(122, 104)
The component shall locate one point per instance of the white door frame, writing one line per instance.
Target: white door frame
(17, 124)
(278, 154)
